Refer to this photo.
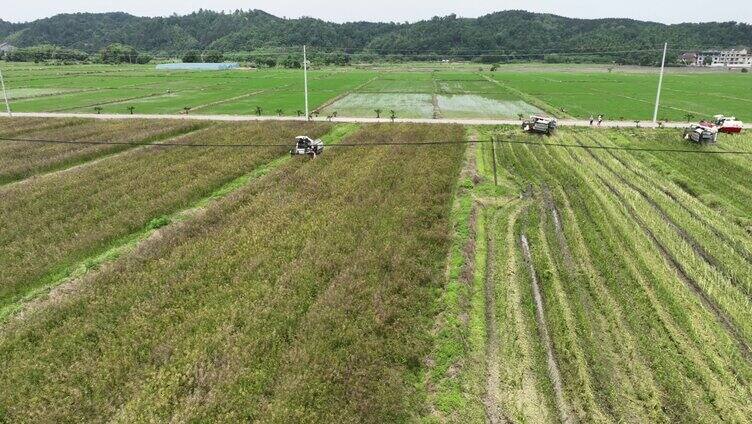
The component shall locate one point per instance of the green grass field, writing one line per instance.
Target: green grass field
(412, 91)
(603, 278)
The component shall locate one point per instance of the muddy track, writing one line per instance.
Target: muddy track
(565, 414)
(550, 205)
(696, 246)
(722, 236)
(695, 287)
(494, 411)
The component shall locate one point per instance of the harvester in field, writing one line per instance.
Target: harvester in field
(539, 125)
(704, 132)
(728, 124)
(305, 146)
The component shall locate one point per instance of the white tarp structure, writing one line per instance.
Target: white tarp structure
(197, 66)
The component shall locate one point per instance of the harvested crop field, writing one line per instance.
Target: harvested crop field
(618, 287)
(195, 271)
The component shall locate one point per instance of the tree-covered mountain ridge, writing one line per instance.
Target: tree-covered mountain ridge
(511, 31)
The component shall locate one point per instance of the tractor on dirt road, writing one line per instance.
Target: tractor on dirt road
(704, 132)
(305, 146)
(539, 125)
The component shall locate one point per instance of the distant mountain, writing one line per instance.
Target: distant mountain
(6, 28)
(509, 31)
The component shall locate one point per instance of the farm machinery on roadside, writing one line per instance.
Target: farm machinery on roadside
(704, 132)
(539, 125)
(305, 146)
(728, 124)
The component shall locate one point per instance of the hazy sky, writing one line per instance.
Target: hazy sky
(667, 11)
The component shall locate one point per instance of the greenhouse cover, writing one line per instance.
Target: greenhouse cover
(197, 66)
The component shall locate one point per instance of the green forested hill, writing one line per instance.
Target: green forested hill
(509, 31)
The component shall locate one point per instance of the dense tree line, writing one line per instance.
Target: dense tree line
(498, 37)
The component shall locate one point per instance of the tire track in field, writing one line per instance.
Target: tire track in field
(725, 321)
(565, 414)
(699, 250)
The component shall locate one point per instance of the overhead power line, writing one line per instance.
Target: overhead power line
(394, 144)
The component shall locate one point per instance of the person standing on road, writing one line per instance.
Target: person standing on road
(600, 120)
(591, 120)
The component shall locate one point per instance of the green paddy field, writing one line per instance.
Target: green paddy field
(411, 91)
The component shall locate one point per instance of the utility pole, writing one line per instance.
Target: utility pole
(305, 81)
(493, 152)
(5, 95)
(660, 84)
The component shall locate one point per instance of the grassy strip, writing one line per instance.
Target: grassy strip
(128, 243)
(451, 339)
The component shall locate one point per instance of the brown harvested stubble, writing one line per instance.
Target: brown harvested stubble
(52, 222)
(305, 296)
(19, 159)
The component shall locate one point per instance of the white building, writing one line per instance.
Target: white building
(733, 58)
(5, 47)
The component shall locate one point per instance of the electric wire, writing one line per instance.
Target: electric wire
(379, 144)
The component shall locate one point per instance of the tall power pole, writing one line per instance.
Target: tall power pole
(5, 95)
(305, 81)
(660, 84)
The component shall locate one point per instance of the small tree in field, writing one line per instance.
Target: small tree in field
(316, 113)
(334, 114)
(98, 110)
(258, 110)
(279, 112)
(378, 113)
(187, 109)
(521, 116)
(637, 122)
(689, 116)
(392, 115)
(299, 112)
(131, 109)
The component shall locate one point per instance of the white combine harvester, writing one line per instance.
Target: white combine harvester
(704, 132)
(539, 125)
(305, 146)
(728, 124)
